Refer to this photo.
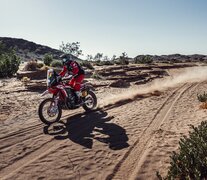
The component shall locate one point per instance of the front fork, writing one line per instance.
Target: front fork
(56, 99)
(53, 109)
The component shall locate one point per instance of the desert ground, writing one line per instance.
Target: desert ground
(131, 134)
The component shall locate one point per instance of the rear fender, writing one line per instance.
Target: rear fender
(88, 87)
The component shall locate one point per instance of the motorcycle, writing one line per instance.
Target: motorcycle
(63, 98)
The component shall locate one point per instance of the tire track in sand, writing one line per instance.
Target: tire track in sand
(24, 134)
(46, 147)
(131, 161)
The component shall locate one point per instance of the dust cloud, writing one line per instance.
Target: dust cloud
(187, 75)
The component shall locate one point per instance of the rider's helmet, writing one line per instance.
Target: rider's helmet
(66, 59)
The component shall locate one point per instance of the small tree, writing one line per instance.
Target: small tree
(89, 57)
(113, 57)
(48, 59)
(71, 48)
(123, 59)
(9, 62)
(98, 56)
(106, 58)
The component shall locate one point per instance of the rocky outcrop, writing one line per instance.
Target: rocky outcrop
(174, 58)
(39, 74)
(28, 50)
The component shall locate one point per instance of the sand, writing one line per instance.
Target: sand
(131, 135)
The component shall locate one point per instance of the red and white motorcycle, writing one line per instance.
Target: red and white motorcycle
(63, 97)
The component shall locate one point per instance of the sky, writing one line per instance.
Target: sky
(110, 27)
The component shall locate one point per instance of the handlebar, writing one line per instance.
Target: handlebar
(67, 78)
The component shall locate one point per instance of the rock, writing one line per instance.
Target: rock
(120, 84)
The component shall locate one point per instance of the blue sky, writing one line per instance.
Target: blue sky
(110, 26)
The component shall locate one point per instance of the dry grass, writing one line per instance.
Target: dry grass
(203, 105)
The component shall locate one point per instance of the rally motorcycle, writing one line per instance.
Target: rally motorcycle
(63, 97)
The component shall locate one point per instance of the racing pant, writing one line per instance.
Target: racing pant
(76, 82)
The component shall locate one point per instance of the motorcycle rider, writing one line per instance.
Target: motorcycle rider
(70, 66)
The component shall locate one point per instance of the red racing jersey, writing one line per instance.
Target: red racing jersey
(73, 67)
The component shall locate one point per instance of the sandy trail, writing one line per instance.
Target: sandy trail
(124, 140)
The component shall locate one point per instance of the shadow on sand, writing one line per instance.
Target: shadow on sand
(84, 128)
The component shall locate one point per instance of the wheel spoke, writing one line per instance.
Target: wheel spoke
(50, 112)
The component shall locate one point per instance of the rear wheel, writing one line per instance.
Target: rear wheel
(49, 112)
(90, 101)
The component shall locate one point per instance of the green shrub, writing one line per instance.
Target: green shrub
(107, 63)
(47, 59)
(31, 66)
(143, 60)
(56, 63)
(191, 160)
(202, 97)
(9, 64)
(87, 64)
(122, 61)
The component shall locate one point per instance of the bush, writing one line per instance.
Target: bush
(143, 60)
(56, 63)
(47, 59)
(122, 61)
(87, 64)
(97, 63)
(31, 66)
(108, 63)
(9, 64)
(202, 97)
(191, 161)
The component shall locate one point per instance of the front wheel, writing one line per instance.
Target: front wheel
(49, 112)
(90, 101)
